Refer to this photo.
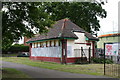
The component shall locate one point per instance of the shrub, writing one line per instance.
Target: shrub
(77, 61)
(82, 60)
(101, 60)
(108, 61)
(18, 48)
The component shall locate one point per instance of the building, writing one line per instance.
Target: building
(112, 46)
(62, 44)
(108, 38)
(25, 40)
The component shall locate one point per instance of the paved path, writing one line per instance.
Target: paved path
(36, 72)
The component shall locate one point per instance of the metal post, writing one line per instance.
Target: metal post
(104, 58)
(81, 51)
(89, 54)
(81, 55)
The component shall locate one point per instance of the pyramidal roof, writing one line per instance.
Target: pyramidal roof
(62, 29)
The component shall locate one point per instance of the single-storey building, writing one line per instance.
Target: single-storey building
(64, 43)
(108, 38)
(112, 45)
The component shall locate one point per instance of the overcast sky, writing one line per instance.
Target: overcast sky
(110, 23)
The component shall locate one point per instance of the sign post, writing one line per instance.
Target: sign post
(104, 58)
(111, 49)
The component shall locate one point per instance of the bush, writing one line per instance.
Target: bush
(82, 60)
(18, 48)
(108, 61)
(77, 61)
(101, 60)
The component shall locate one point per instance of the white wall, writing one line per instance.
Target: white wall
(38, 44)
(81, 37)
(70, 48)
(50, 51)
(46, 52)
(74, 50)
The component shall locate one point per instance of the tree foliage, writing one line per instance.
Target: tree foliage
(25, 18)
(22, 19)
(84, 14)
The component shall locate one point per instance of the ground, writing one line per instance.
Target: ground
(89, 69)
(13, 73)
(36, 72)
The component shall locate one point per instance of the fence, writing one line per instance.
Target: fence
(85, 54)
(112, 70)
(112, 51)
(82, 52)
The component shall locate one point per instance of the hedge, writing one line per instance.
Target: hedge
(101, 60)
(18, 48)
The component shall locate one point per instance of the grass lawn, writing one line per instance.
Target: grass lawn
(10, 55)
(13, 73)
(112, 70)
(91, 69)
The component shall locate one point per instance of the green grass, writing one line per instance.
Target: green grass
(91, 69)
(13, 73)
(112, 70)
(10, 55)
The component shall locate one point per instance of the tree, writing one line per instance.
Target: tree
(23, 19)
(84, 14)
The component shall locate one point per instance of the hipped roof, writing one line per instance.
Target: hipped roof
(62, 29)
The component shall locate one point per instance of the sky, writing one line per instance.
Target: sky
(110, 23)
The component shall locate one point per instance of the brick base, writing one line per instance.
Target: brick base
(54, 59)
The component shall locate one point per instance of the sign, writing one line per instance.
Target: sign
(112, 49)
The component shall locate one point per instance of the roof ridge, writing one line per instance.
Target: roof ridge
(63, 27)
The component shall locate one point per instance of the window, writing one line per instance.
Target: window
(57, 44)
(48, 43)
(36, 45)
(42, 44)
(52, 43)
(32, 45)
(39, 44)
